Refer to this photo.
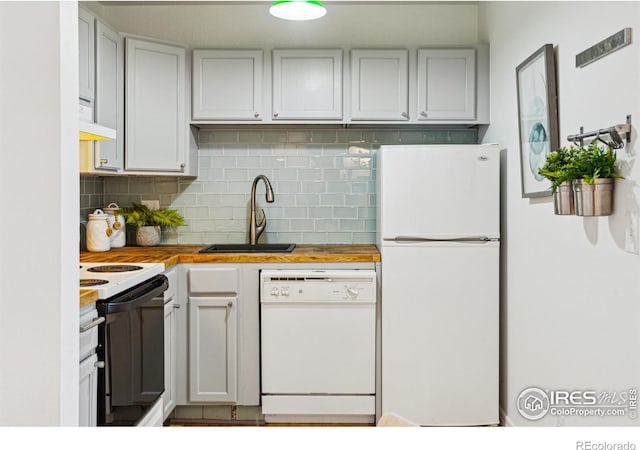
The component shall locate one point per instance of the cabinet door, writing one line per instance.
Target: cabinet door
(227, 85)
(86, 45)
(307, 84)
(212, 349)
(88, 411)
(155, 106)
(379, 85)
(108, 154)
(168, 397)
(446, 84)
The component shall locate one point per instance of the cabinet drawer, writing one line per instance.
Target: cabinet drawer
(88, 338)
(212, 281)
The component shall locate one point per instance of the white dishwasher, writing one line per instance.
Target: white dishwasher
(318, 345)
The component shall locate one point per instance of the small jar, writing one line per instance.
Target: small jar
(117, 224)
(98, 232)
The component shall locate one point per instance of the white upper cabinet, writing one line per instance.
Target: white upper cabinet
(307, 85)
(379, 85)
(446, 84)
(156, 125)
(109, 110)
(86, 46)
(227, 85)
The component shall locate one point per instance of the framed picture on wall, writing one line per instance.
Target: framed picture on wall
(537, 118)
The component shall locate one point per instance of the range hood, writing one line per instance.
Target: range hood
(94, 132)
(91, 131)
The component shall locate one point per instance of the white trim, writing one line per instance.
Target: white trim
(505, 420)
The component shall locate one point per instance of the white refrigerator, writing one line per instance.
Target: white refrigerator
(438, 219)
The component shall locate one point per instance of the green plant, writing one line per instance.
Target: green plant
(593, 162)
(573, 163)
(140, 216)
(555, 166)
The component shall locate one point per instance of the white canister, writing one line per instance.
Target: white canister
(98, 232)
(117, 224)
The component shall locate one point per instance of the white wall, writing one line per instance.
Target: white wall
(571, 285)
(40, 200)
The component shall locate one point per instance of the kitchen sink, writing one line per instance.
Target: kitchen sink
(248, 248)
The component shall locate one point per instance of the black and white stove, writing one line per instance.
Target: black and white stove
(130, 340)
(111, 279)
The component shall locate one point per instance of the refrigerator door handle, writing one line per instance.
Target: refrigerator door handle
(476, 239)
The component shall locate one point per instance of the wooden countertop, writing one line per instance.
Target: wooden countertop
(171, 255)
(174, 254)
(88, 296)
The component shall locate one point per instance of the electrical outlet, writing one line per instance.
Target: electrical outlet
(151, 204)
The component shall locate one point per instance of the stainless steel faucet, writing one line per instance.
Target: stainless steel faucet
(256, 228)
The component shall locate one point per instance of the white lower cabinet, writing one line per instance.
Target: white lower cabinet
(88, 411)
(88, 386)
(213, 343)
(171, 307)
(218, 327)
(213, 333)
(218, 331)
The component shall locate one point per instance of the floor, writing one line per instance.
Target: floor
(250, 423)
(232, 416)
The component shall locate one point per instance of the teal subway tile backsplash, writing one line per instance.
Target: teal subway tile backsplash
(323, 179)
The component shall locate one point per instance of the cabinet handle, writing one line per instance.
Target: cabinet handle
(176, 306)
(228, 311)
(405, 115)
(94, 323)
(103, 162)
(423, 114)
(256, 114)
(99, 364)
(182, 167)
(275, 114)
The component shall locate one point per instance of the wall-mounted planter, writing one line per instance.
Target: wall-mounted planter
(595, 199)
(563, 200)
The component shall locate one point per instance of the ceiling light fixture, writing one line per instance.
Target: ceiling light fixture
(297, 9)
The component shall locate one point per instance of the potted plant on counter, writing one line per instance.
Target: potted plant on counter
(555, 169)
(148, 222)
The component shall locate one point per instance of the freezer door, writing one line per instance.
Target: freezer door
(438, 191)
(440, 333)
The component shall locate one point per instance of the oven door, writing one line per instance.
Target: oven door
(131, 343)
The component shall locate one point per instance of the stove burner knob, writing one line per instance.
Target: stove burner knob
(284, 292)
(352, 293)
(275, 292)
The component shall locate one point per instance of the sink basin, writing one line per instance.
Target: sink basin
(248, 248)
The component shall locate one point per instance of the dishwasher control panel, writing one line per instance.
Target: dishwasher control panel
(318, 286)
